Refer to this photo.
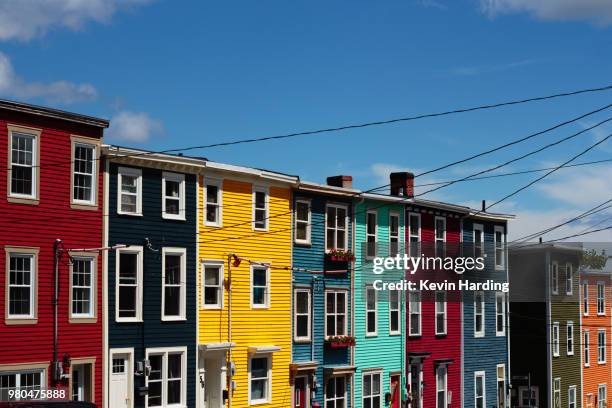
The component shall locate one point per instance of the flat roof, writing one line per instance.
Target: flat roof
(53, 113)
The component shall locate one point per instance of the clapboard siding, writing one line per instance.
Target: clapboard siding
(125, 229)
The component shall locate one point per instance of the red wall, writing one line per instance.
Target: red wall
(39, 226)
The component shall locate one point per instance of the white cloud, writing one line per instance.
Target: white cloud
(484, 69)
(595, 11)
(585, 187)
(134, 127)
(14, 86)
(27, 19)
(432, 4)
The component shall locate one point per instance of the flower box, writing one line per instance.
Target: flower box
(340, 255)
(340, 341)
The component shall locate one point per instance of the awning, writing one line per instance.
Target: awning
(338, 370)
(216, 346)
(303, 366)
(263, 349)
(443, 361)
(418, 355)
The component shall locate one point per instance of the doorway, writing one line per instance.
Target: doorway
(301, 392)
(415, 373)
(213, 373)
(120, 388)
(395, 390)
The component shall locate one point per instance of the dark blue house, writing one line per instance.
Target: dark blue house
(321, 370)
(485, 314)
(151, 309)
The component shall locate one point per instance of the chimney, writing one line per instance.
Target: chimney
(340, 181)
(402, 184)
(484, 206)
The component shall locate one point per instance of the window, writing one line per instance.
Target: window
(587, 348)
(302, 221)
(554, 278)
(335, 227)
(335, 392)
(479, 314)
(129, 284)
(84, 173)
(478, 236)
(82, 286)
(394, 312)
(173, 283)
(500, 314)
(302, 309)
(440, 312)
(259, 380)
(414, 304)
(479, 390)
(394, 234)
(213, 203)
(260, 208)
(500, 246)
(571, 397)
(570, 338)
(526, 401)
(23, 164)
(585, 298)
(335, 313)
(371, 312)
(81, 378)
(414, 234)
(601, 396)
(173, 196)
(167, 380)
(601, 347)
(440, 236)
(501, 385)
(371, 390)
(569, 287)
(557, 393)
(555, 339)
(21, 285)
(20, 381)
(260, 287)
(213, 285)
(371, 229)
(601, 310)
(129, 194)
(441, 387)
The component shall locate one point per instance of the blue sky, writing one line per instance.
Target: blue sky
(173, 74)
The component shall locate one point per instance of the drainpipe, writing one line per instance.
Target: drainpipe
(56, 258)
(229, 331)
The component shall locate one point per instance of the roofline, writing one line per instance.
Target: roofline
(491, 216)
(327, 189)
(557, 246)
(265, 174)
(53, 113)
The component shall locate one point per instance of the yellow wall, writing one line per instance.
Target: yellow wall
(251, 327)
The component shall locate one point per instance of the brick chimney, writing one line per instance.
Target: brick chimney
(340, 181)
(402, 184)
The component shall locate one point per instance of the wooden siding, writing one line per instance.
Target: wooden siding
(251, 327)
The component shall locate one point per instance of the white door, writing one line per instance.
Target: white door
(214, 379)
(119, 393)
(77, 383)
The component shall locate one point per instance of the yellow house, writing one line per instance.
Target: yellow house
(244, 300)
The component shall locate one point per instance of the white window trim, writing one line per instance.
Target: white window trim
(603, 298)
(335, 228)
(442, 333)
(138, 250)
(178, 178)
(480, 333)
(503, 313)
(599, 361)
(35, 135)
(268, 294)
(375, 332)
(605, 389)
(554, 278)
(217, 264)
(307, 338)
(411, 233)
(380, 388)
(165, 351)
(219, 184)
(399, 314)
(375, 213)
(587, 348)
(556, 390)
(399, 231)
(499, 228)
(569, 329)
(445, 385)
(585, 298)
(269, 377)
(130, 171)
(306, 241)
(182, 291)
(569, 392)
(555, 342)
(92, 288)
(500, 379)
(94, 169)
(436, 239)
(335, 291)
(478, 227)
(266, 191)
(420, 314)
(478, 374)
(18, 371)
(33, 255)
(569, 290)
(335, 398)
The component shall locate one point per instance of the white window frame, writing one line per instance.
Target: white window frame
(219, 184)
(370, 289)
(569, 281)
(585, 298)
(502, 230)
(94, 168)
(412, 235)
(554, 278)
(33, 256)
(335, 227)
(601, 298)
(569, 342)
(555, 339)
(91, 288)
(335, 398)
(335, 313)
(436, 239)
(556, 392)
(137, 173)
(571, 402)
(138, 250)
(479, 333)
(478, 227)
(266, 192)
(417, 312)
(220, 287)
(394, 214)
(164, 352)
(177, 178)
(371, 397)
(307, 221)
(370, 234)
(267, 289)
(308, 315)
(478, 375)
(398, 310)
(35, 136)
(182, 252)
(601, 347)
(501, 313)
(602, 402)
(500, 379)
(268, 398)
(436, 374)
(587, 349)
(18, 372)
(440, 312)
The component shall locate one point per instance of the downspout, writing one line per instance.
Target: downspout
(353, 276)
(105, 353)
(548, 327)
(56, 258)
(229, 330)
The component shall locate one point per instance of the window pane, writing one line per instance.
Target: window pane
(173, 269)
(172, 301)
(302, 302)
(127, 301)
(259, 277)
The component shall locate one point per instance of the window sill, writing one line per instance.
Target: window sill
(260, 230)
(303, 243)
(124, 320)
(23, 200)
(20, 321)
(415, 335)
(211, 307)
(601, 363)
(258, 402)
(479, 335)
(173, 218)
(570, 354)
(129, 214)
(371, 335)
(80, 320)
(83, 206)
(173, 319)
(500, 334)
(302, 341)
(260, 307)
(441, 334)
(395, 333)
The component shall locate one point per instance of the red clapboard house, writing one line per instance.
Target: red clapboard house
(433, 341)
(51, 231)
